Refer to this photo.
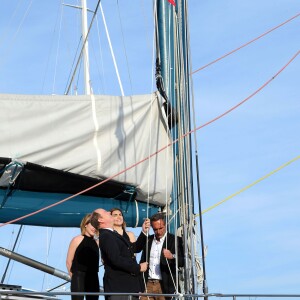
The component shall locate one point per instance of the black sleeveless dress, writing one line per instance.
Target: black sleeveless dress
(85, 268)
(126, 236)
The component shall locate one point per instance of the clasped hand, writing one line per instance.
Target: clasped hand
(146, 226)
(143, 267)
(167, 254)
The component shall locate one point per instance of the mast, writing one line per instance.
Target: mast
(85, 30)
(173, 57)
(86, 65)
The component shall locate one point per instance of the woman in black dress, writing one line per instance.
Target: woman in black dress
(83, 261)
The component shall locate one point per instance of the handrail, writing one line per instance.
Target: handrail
(234, 296)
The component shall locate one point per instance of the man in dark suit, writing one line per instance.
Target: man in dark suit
(121, 269)
(162, 254)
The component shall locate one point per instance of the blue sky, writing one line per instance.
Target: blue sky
(252, 239)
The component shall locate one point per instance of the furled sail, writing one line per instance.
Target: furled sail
(92, 136)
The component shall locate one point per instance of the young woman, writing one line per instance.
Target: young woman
(120, 225)
(83, 261)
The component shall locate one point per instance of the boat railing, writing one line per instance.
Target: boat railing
(9, 294)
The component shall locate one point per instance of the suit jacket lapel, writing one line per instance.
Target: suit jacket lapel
(119, 236)
(115, 233)
(164, 246)
(128, 245)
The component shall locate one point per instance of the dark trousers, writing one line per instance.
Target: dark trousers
(85, 282)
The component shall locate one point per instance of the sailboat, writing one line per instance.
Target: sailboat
(65, 155)
(86, 140)
(217, 184)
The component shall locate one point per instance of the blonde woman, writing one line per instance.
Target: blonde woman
(83, 261)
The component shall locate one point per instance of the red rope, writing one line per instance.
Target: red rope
(248, 43)
(157, 152)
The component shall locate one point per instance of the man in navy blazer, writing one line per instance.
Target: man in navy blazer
(161, 252)
(122, 272)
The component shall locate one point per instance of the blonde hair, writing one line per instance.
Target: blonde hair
(86, 220)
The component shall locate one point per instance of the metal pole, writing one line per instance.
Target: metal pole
(204, 287)
(4, 275)
(34, 264)
(84, 28)
(82, 49)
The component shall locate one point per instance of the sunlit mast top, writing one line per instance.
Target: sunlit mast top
(84, 28)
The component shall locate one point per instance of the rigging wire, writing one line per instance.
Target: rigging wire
(246, 44)
(182, 146)
(13, 249)
(8, 50)
(156, 152)
(73, 65)
(251, 95)
(48, 242)
(82, 48)
(149, 164)
(202, 274)
(52, 289)
(250, 185)
(124, 48)
(186, 86)
(241, 190)
(17, 248)
(50, 51)
(3, 34)
(112, 51)
(78, 78)
(145, 18)
(102, 79)
(170, 82)
(57, 52)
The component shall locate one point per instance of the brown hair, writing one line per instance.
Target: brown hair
(118, 209)
(94, 220)
(86, 220)
(157, 217)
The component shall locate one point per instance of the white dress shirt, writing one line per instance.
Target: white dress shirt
(154, 261)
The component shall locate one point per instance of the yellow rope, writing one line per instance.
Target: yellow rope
(250, 185)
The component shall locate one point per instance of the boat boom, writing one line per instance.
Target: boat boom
(34, 264)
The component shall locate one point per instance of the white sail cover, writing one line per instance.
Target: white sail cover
(96, 136)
